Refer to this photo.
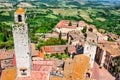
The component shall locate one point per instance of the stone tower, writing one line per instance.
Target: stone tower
(22, 43)
(91, 46)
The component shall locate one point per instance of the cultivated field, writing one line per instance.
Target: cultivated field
(100, 19)
(65, 12)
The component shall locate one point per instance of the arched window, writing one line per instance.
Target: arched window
(19, 18)
(88, 75)
(23, 71)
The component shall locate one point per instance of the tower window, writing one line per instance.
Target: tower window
(23, 71)
(88, 75)
(19, 18)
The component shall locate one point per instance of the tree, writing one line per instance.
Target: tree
(34, 39)
(66, 51)
(84, 29)
(60, 36)
(52, 41)
(110, 39)
(77, 25)
(2, 45)
(9, 44)
(70, 23)
(4, 39)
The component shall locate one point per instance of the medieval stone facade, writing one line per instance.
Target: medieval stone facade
(22, 43)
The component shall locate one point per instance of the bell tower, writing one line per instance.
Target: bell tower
(22, 43)
(20, 16)
(90, 47)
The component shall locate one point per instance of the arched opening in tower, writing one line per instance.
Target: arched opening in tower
(19, 18)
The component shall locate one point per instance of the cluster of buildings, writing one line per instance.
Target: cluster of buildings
(26, 63)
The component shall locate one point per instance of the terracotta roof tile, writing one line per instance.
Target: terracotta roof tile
(76, 68)
(101, 73)
(55, 78)
(20, 11)
(81, 65)
(76, 34)
(59, 49)
(65, 24)
(40, 71)
(6, 63)
(41, 54)
(44, 62)
(34, 51)
(9, 74)
(111, 48)
(82, 23)
(6, 54)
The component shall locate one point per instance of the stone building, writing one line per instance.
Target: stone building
(22, 43)
(75, 69)
(64, 26)
(6, 58)
(90, 46)
(108, 56)
(75, 37)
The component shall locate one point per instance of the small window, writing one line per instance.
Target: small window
(19, 18)
(23, 71)
(87, 74)
(28, 53)
(90, 55)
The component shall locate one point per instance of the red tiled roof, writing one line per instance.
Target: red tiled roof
(6, 57)
(9, 74)
(7, 63)
(75, 69)
(101, 73)
(20, 11)
(45, 69)
(81, 65)
(34, 51)
(76, 35)
(65, 24)
(52, 77)
(41, 54)
(40, 70)
(35, 75)
(82, 23)
(107, 42)
(112, 49)
(32, 46)
(5, 54)
(43, 62)
(59, 49)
